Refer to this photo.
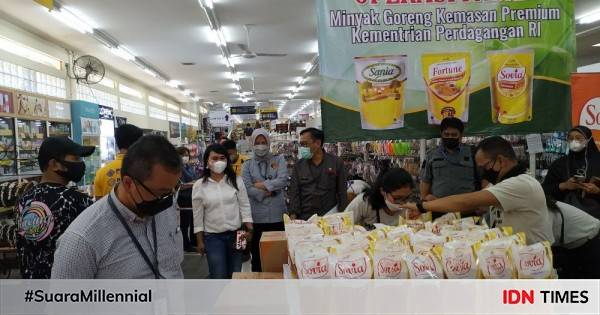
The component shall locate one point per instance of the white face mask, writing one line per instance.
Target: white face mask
(393, 207)
(185, 159)
(577, 146)
(261, 150)
(218, 166)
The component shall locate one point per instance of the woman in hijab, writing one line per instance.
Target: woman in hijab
(265, 176)
(575, 178)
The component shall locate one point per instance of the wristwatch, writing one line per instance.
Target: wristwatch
(420, 207)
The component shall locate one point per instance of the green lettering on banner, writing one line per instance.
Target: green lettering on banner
(536, 38)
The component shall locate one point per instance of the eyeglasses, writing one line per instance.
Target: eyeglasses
(163, 197)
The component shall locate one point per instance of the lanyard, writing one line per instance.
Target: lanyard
(153, 266)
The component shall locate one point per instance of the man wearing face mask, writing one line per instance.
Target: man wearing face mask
(132, 233)
(265, 177)
(237, 160)
(45, 211)
(516, 199)
(449, 169)
(575, 178)
(318, 184)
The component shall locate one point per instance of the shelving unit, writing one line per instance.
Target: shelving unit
(30, 134)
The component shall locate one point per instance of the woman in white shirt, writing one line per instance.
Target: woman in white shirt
(383, 203)
(221, 209)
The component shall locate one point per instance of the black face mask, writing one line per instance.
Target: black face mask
(490, 175)
(74, 172)
(156, 206)
(450, 143)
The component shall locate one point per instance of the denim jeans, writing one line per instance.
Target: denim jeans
(223, 258)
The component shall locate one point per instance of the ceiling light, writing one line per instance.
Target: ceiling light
(121, 52)
(235, 76)
(308, 67)
(206, 3)
(597, 45)
(174, 83)
(218, 38)
(32, 54)
(187, 92)
(590, 17)
(302, 80)
(296, 89)
(71, 20)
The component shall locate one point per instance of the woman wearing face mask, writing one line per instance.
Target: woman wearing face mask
(575, 178)
(221, 213)
(383, 203)
(265, 176)
(184, 200)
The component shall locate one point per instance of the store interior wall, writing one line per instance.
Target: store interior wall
(22, 36)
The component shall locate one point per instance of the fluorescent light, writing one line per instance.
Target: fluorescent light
(296, 89)
(32, 54)
(174, 83)
(590, 17)
(156, 101)
(302, 80)
(121, 52)
(218, 38)
(206, 3)
(308, 67)
(235, 76)
(597, 45)
(71, 20)
(150, 72)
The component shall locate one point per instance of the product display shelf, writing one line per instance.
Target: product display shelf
(7, 147)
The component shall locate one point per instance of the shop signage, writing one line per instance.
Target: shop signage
(29, 106)
(120, 121)
(106, 113)
(268, 115)
(395, 69)
(174, 130)
(243, 110)
(586, 102)
(6, 102)
(281, 127)
(219, 118)
(59, 110)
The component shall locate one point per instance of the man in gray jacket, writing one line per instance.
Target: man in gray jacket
(265, 177)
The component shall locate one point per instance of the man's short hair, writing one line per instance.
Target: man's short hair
(495, 146)
(452, 122)
(148, 151)
(126, 135)
(230, 145)
(316, 134)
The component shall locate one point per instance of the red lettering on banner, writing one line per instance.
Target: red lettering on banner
(593, 118)
(518, 297)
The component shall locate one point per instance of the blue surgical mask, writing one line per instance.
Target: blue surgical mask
(305, 153)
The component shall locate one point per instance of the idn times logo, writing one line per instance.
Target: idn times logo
(513, 297)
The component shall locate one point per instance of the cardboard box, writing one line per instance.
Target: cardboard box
(257, 275)
(273, 251)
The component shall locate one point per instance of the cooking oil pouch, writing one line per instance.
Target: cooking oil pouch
(381, 89)
(447, 77)
(424, 242)
(511, 82)
(387, 260)
(339, 223)
(458, 260)
(534, 261)
(351, 263)
(313, 262)
(494, 259)
(425, 266)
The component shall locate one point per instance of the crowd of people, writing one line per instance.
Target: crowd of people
(151, 206)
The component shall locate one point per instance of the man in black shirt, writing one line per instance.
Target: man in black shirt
(45, 211)
(318, 184)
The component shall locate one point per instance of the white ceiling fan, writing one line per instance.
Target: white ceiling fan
(248, 53)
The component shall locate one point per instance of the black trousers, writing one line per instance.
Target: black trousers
(186, 223)
(259, 228)
(579, 263)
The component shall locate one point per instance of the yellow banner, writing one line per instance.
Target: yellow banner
(47, 3)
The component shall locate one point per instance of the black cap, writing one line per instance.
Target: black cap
(57, 147)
